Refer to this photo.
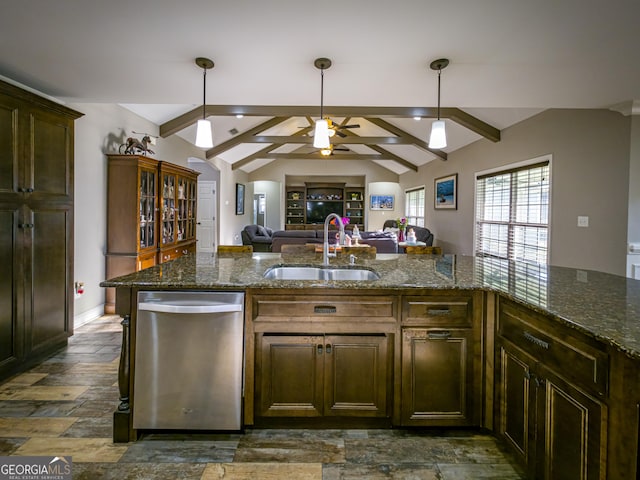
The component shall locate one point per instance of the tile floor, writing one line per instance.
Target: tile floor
(64, 406)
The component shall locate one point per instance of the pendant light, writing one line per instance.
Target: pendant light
(438, 137)
(321, 135)
(204, 135)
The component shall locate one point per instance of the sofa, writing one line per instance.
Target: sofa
(258, 236)
(422, 234)
(384, 243)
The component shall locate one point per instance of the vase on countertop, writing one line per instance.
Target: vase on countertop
(401, 235)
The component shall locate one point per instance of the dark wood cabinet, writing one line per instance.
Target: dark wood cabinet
(323, 375)
(551, 397)
(441, 383)
(151, 215)
(36, 227)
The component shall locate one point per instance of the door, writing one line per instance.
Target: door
(437, 377)
(206, 215)
(571, 431)
(289, 375)
(516, 400)
(259, 209)
(357, 375)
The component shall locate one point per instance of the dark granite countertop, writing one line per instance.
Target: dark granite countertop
(601, 305)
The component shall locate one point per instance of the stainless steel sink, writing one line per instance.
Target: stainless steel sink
(293, 272)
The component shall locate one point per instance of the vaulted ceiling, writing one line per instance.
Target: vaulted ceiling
(509, 61)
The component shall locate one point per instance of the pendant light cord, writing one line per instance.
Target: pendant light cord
(204, 94)
(439, 72)
(321, 91)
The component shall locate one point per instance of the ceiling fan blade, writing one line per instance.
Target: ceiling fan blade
(340, 134)
(355, 125)
(341, 149)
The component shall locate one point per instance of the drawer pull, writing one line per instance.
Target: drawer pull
(327, 348)
(444, 335)
(324, 309)
(438, 311)
(319, 349)
(536, 341)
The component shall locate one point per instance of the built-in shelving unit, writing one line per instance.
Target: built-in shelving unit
(307, 206)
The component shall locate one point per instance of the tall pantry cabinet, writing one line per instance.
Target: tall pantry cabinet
(151, 215)
(36, 227)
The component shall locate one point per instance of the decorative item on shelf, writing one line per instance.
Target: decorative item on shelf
(133, 146)
(295, 196)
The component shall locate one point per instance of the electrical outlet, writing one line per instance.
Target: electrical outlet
(583, 221)
(581, 276)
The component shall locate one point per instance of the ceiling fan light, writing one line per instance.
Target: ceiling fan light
(204, 136)
(321, 135)
(438, 138)
(325, 151)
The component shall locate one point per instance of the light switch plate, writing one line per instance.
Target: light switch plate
(583, 221)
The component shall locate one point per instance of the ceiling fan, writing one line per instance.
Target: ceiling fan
(329, 151)
(334, 128)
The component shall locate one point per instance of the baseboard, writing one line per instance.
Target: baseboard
(86, 317)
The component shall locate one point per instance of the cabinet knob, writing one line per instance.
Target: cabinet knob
(319, 348)
(327, 348)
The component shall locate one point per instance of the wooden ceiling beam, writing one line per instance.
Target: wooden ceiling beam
(244, 137)
(335, 140)
(265, 151)
(413, 140)
(454, 114)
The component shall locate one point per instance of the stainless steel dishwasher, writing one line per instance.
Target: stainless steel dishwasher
(189, 361)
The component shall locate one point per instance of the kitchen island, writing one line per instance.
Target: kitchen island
(498, 337)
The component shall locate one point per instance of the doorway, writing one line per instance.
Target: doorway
(206, 217)
(259, 209)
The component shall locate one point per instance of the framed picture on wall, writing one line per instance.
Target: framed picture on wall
(381, 202)
(239, 199)
(446, 192)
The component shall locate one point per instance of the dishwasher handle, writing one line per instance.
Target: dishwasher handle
(169, 308)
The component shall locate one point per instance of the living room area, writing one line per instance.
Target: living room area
(372, 214)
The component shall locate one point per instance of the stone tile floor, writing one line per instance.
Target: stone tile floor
(64, 406)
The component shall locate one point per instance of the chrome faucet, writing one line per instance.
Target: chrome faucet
(325, 245)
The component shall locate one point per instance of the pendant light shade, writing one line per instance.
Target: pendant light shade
(438, 137)
(321, 134)
(204, 135)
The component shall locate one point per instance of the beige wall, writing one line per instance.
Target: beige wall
(590, 168)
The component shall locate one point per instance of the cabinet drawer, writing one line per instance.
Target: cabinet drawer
(579, 361)
(270, 308)
(437, 311)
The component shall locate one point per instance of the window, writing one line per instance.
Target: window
(414, 207)
(512, 213)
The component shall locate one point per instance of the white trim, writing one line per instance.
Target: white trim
(89, 315)
(532, 161)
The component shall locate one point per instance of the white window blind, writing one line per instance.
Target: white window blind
(414, 207)
(512, 214)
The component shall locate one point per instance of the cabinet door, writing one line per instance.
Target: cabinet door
(10, 309)
(48, 172)
(289, 375)
(571, 436)
(147, 205)
(357, 375)
(437, 377)
(9, 145)
(515, 400)
(168, 235)
(48, 277)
